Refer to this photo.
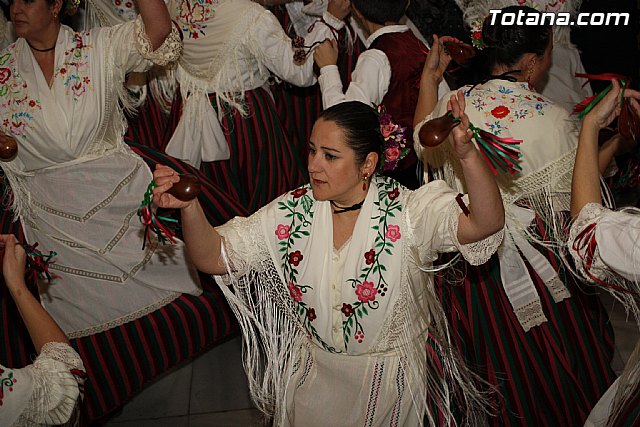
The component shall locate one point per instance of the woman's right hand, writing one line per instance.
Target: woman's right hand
(609, 107)
(14, 261)
(165, 177)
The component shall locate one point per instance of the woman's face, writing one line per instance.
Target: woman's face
(332, 165)
(31, 17)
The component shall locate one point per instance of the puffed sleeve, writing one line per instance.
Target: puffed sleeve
(275, 49)
(58, 378)
(244, 243)
(130, 48)
(433, 214)
(602, 241)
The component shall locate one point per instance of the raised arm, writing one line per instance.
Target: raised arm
(585, 186)
(486, 215)
(432, 74)
(156, 19)
(41, 326)
(201, 239)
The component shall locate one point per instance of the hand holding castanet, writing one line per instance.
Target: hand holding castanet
(435, 131)
(186, 189)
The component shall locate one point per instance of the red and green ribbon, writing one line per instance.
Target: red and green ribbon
(586, 105)
(162, 226)
(38, 263)
(502, 154)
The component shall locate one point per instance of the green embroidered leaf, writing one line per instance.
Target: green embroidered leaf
(360, 314)
(4, 89)
(364, 309)
(375, 227)
(349, 322)
(383, 268)
(387, 250)
(291, 203)
(304, 232)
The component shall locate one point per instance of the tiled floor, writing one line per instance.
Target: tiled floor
(212, 391)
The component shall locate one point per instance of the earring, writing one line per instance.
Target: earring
(529, 78)
(364, 184)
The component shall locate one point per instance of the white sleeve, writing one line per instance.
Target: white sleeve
(369, 80)
(276, 51)
(58, 375)
(131, 50)
(433, 214)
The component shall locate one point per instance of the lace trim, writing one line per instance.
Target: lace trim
(530, 315)
(169, 50)
(56, 389)
(558, 290)
(124, 319)
(475, 253)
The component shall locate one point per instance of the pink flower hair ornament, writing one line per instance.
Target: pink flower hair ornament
(394, 145)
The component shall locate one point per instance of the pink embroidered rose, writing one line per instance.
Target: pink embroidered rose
(521, 2)
(295, 292)
(500, 112)
(393, 194)
(295, 258)
(370, 256)
(393, 232)
(312, 314)
(282, 232)
(347, 310)
(366, 292)
(5, 73)
(391, 154)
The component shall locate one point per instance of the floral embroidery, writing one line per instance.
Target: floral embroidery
(74, 71)
(19, 109)
(505, 106)
(366, 292)
(500, 112)
(365, 289)
(192, 15)
(125, 9)
(393, 233)
(347, 310)
(6, 383)
(370, 256)
(288, 235)
(282, 232)
(295, 258)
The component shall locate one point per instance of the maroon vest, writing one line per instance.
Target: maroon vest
(407, 55)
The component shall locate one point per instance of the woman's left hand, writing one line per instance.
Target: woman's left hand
(461, 134)
(326, 53)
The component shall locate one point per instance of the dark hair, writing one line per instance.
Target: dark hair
(507, 43)
(360, 125)
(381, 11)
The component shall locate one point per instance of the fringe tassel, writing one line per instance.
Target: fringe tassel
(38, 263)
(502, 154)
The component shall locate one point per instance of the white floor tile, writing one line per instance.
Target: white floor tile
(167, 397)
(219, 382)
(241, 418)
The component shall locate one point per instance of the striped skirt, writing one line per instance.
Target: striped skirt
(263, 163)
(121, 361)
(551, 375)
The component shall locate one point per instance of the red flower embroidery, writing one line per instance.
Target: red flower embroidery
(366, 292)
(63, 70)
(295, 292)
(5, 73)
(32, 103)
(477, 35)
(393, 194)
(393, 232)
(359, 336)
(370, 256)
(312, 314)
(347, 310)
(295, 258)
(299, 192)
(282, 231)
(500, 112)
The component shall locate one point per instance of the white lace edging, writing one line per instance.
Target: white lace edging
(169, 50)
(56, 390)
(475, 253)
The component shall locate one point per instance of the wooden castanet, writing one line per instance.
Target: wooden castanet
(8, 148)
(435, 131)
(460, 53)
(186, 189)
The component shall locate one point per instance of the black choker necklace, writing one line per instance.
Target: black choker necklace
(40, 50)
(340, 209)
